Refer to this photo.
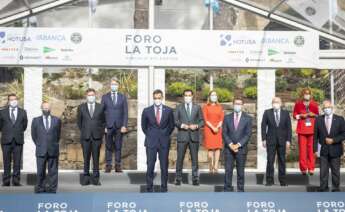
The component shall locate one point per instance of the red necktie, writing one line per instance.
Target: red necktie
(158, 115)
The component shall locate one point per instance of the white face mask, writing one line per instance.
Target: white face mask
(214, 98)
(188, 99)
(13, 103)
(307, 97)
(91, 99)
(328, 111)
(157, 102)
(238, 108)
(276, 106)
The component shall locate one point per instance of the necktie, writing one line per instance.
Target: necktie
(277, 118)
(328, 124)
(91, 110)
(114, 97)
(47, 122)
(158, 115)
(13, 118)
(236, 121)
(188, 111)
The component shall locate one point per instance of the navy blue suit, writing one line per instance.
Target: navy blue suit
(47, 151)
(116, 116)
(157, 140)
(242, 136)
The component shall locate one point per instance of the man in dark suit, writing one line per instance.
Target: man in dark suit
(329, 133)
(13, 123)
(45, 133)
(237, 130)
(276, 136)
(91, 122)
(116, 116)
(157, 123)
(188, 120)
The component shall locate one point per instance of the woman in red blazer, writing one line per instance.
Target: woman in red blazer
(305, 112)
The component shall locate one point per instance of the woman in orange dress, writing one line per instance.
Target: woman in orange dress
(213, 117)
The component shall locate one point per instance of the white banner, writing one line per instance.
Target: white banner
(161, 48)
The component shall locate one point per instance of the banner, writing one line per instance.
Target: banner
(161, 48)
(174, 202)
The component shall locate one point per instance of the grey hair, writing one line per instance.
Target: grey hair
(114, 79)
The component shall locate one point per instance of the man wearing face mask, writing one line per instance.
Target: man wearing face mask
(13, 123)
(188, 120)
(91, 122)
(116, 116)
(330, 134)
(276, 136)
(157, 123)
(305, 111)
(237, 130)
(45, 133)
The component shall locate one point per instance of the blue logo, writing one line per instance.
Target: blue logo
(225, 40)
(2, 37)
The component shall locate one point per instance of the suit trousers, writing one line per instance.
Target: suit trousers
(12, 152)
(231, 159)
(151, 154)
(51, 181)
(91, 147)
(327, 163)
(181, 151)
(113, 142)
(272, 150)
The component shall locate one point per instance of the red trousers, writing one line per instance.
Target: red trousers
(306, 153)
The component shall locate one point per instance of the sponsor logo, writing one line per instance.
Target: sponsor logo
(289, 52)
(299, 41)
(8, 57)
(227, 40)
(256, 52)
(47, 50)
(274, 40)
(31, 49)
(67, 58)
(235, 52)
(29, 57)
(275, 60)
(76, 38)
(66, 50)
(51, 57)
(310, 11)
(2, 37)
(15, 38)
(290, 60)
(9, 49)
(254, 60)
(272, 52)
(51, 37)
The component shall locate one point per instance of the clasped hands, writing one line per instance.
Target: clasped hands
(306, 115)
(189, 127)
(329, 141)
(234, 147)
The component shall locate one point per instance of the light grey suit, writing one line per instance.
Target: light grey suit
(188, 138)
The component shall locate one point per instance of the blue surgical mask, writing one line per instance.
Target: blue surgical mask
(13, 103)
(114, 88)
(237, 108)
(328, 111)
(91, 99)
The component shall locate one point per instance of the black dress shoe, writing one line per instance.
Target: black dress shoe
(335, 190)
(6, 184)
(178, 182)
(230, 189)
(269, 184)
(149, 190)
(85, 180)
(107, 169)
(196, 183)
(164, 190)
(51, 191)
(283, 184)
(16, 183)
(118, 168)
(323, 190)
(96, 182)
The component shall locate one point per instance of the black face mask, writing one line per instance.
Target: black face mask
(46, 112)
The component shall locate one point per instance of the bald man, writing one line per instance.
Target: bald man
(329, 132)
(45, 132)
(276, 136)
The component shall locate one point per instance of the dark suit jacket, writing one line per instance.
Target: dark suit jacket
(181, 117)
(12, 131)
(91, 127)
(157, 135)
(241, 135)
(269, 130)
(337, 133)
(115, 115)
(47, 142)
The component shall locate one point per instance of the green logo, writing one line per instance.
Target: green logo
(272, 52)
(47, 49)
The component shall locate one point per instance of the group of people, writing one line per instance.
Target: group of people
(317, 134)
